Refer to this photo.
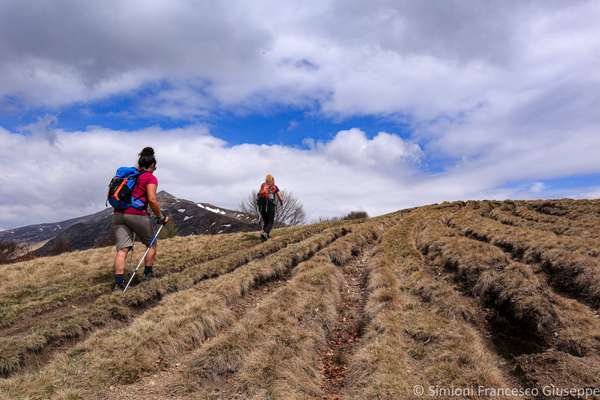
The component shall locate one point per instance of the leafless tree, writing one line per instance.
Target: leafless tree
(290, 213)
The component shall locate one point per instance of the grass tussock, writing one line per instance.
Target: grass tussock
(412, 338)
(459, 294)
(180, 322)
(508, 288)
(273, 351)
(573, 263)
(14, 350)
(38, 286)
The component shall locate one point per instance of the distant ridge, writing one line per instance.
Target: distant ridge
(94, 230)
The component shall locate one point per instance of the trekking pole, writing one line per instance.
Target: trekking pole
(143, 257)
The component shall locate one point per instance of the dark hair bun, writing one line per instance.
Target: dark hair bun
(147, 159)
(147, 152)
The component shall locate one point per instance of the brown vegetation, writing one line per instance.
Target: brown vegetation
(17, 348)
(457, 295)
(572, 262)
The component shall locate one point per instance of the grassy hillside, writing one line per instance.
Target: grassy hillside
(490, 294)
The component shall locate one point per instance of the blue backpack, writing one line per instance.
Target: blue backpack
(120, 189)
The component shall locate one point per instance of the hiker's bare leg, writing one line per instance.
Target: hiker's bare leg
(150, 257)
(120, 260)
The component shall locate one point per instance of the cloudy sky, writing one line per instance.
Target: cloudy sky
(352, 105)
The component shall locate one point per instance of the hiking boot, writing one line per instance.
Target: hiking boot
(136, 279)
(118, 287)
(148, 276)
(264, 237)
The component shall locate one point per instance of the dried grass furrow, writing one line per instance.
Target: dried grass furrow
(571, 359)
(572, 263)
(574, 359)
(35, 287)
(510, 216)
(578, 326)
(574, 210)
(516, 214)
(578, 218)
(420, 330)
(344, 337)
(554, 373)
(485, 272)
(273, 352)
(178, 323)
(16, 351)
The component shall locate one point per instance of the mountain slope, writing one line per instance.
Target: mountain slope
(42, 232)
(95, 230)
(468, 295)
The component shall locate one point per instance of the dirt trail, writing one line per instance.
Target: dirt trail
(349, 328)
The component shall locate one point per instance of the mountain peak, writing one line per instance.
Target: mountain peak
(164, 195)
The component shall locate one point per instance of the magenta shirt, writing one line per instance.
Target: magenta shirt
(140, 192)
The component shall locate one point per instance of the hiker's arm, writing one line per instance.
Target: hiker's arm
(152, 200)
(280, 197)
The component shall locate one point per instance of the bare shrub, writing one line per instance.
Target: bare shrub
(290, 213)
(356, 215)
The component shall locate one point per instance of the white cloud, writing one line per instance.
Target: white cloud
(470, 84)
(384, 151)
(490, 71)
(67, 177)
(353, 57)
(590, 193)
(50, 180)
(494, 92)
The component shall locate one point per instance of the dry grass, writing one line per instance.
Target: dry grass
(457, 295)
(33, 287)
(577, 327)
(485, 272)
(559, 370)
(273, 351)
(572, 262)
(519, 214)
(15, 349)
(178, 323)
(412, 338)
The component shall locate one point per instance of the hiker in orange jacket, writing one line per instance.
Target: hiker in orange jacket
(268, 196)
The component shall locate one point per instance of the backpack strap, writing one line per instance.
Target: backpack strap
(136, 202)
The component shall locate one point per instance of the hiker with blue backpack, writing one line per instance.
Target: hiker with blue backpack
(131, 192)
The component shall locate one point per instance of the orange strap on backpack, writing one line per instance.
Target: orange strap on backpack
(116, 195)
(265, 190)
